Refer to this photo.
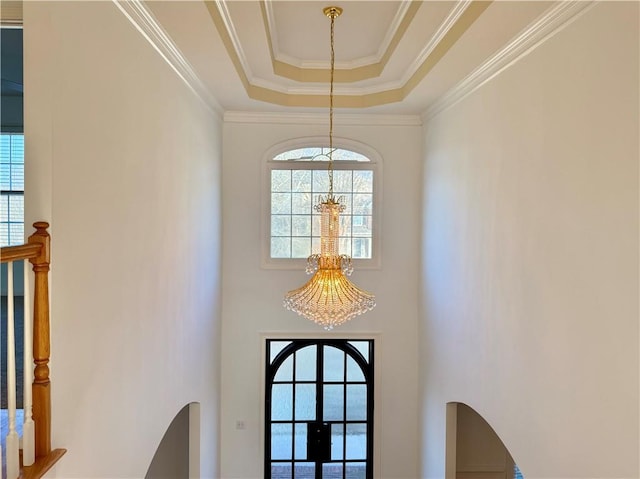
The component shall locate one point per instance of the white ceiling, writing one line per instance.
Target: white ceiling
(392, 57)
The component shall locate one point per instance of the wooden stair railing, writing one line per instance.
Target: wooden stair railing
(37, 251)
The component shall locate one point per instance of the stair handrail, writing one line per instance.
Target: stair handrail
(38, 251)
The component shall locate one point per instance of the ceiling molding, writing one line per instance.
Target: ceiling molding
(321, 119)
(144, 21)
(397, 27)
(318, 72)
(455, 25)
(554, 20)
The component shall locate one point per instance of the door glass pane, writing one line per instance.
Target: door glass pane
(333, 402)
(281, 441)
(354, 373)
(305, 402)
(285, 371)
(356, 470)
(275, 347)
(280, 470)
(356, 441)
(363, 347)
(306, 364)
(356, 402)
(305, 470)
(337, 441)
(333, 364)
(331, 471)
(300, 442)
(281, 402)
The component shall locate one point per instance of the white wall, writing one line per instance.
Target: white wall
(530, 245)
(124, 161)
(252, 297)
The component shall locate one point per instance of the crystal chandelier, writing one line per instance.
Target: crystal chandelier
(329, 298)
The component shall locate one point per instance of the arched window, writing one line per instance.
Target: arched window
(296, 179)
(319, 409)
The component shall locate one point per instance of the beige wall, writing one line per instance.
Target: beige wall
(530, 255)
(124, 161)
(252, 296)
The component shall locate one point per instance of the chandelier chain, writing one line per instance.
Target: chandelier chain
(333, 57)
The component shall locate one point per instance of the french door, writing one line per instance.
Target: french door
(319, 409)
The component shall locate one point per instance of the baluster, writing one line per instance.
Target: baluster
(13, 441)
(28, 445)
(41, 343)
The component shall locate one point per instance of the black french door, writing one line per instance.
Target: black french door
(319, 409)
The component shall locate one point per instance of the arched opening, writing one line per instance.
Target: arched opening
(178, 454)
(473, 448)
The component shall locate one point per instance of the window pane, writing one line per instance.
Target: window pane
(5, 177)
(300, 441)
(280, 470)
(356, 402)
(320, 181)
(275, 347)
(362, 347)
(4, 208)
(363, 181)
(333, 364)
(333, 402)
(315, 225)
(332, 470)
(345, 225)
(306, 364)
(337, 444)
(281, 441)
(285, 371)
(280, 225)
(280, 203)
(280, 247)
(342, 181)
(345, 246)
(301, 203)
(17, 177)
(362, 204)
(356, 470)
(301, 226)
(280, 180)
(281, 402)
(305, 402)
(356, 441)
(361, 248)
(300, 247)
(354, 373)
(301, 180)
(16, 233)
(304, 470)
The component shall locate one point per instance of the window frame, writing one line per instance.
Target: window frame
(269, 164)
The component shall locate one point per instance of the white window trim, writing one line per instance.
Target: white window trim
(375, 164)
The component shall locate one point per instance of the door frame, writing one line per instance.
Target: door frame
(377, 397)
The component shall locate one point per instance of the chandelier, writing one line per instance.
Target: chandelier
(329, 298)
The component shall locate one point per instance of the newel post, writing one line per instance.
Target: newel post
(41, 342)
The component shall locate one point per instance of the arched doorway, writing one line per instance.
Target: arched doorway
(319, 409)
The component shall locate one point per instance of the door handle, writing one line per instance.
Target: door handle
(318, 441)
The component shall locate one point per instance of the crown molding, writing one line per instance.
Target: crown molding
(278, 55)
(225, 16)
(448, 23)
(554, 20)
(145, 22)
(286, 118)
